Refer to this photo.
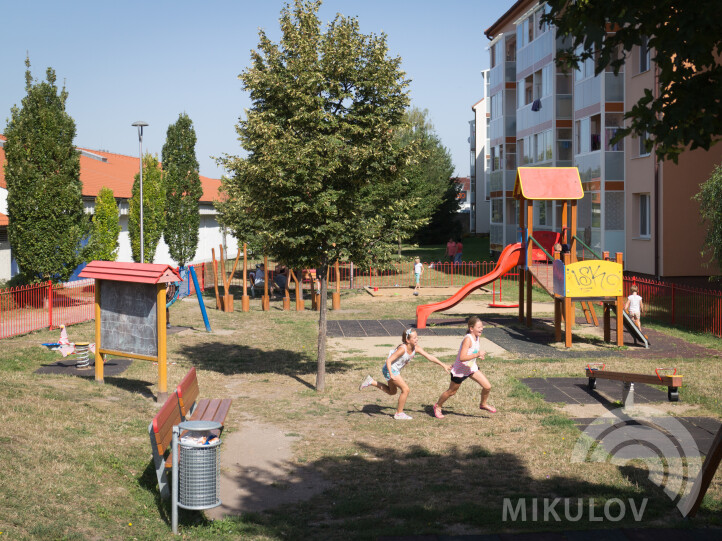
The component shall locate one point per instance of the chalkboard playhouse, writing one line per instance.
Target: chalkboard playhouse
(130, 313)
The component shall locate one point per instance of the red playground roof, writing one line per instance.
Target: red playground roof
(548, 183)
(142, 273)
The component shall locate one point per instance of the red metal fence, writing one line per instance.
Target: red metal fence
(696, 309)
(29, 308)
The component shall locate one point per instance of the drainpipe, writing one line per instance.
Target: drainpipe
(656, 189)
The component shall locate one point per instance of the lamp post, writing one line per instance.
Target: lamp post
(140, 124)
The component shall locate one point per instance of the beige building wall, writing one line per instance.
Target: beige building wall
(639, 177)
(681, 233)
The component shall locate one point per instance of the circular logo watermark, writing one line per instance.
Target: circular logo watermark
(645, 433)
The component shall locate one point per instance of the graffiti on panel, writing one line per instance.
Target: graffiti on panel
(593, 279)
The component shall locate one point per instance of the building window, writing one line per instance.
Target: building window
(644, 55)
(643, 141)
(493, 56)
(644, 230)
(497, 211)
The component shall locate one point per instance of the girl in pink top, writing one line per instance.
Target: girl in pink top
(465, 367)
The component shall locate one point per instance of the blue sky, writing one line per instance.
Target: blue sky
(151, 60)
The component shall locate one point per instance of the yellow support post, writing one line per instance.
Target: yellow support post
(162, 359)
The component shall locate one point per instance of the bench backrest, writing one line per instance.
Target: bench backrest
(188, 392)
(162, 424)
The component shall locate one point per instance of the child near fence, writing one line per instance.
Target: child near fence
(634, 306)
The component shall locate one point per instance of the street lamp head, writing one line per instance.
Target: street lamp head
(140, 124)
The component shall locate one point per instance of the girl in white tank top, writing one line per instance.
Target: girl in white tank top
(399, 357)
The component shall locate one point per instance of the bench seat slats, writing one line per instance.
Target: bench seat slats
(182, 405)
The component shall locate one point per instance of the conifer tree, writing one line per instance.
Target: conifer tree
(183, 190)
(45, 205)
(153, 210)
(104, 229)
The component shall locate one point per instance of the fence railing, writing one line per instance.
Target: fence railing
(28, 308)
(695, 309)
(24, 309)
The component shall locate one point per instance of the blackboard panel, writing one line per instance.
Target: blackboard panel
(128, 317)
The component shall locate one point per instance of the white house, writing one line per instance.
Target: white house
(100, 169)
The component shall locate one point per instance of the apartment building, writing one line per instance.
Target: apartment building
(479, 161)
(543, 117)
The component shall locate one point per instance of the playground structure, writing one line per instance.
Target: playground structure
(598, 280)
(130, 314)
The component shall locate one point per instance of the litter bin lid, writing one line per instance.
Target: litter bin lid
(199, 426)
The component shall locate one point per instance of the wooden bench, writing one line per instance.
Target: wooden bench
(672, 382)
(182, 405)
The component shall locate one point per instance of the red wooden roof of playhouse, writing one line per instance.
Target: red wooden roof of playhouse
(143, 273)
(548, 183)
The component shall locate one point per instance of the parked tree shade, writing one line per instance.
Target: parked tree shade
(685, 39)
(153, 210)
(45, 206)
(183, 190)
(104, 229)
(322, 152)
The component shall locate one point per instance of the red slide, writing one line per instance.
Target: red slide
(508, 259)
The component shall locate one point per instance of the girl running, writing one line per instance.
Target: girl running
(396, 360)
(465, 367)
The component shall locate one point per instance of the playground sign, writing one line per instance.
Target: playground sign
(594, 278)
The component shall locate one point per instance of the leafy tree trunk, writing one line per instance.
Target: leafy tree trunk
(322, 328)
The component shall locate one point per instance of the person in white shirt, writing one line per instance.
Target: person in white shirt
(418, 271)
(634, 306)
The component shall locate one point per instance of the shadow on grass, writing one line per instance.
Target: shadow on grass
(231, 359)
(382, 491)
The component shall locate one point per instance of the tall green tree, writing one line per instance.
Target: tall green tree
(153, 210)
(710, 209)
(686, 39)
(45, 205)
(104, 229)
(444, 222)
(321, 146)
(428, 178)
(183, 190)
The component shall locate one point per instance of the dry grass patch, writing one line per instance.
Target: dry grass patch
(78, 458)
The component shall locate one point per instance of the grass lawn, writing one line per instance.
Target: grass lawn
(75, 460)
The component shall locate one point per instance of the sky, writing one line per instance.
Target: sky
(152, 60)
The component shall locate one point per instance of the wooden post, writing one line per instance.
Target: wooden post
(98, 356)
(245, 300)
(573, 230)
(529, 247)
(620, 307)
(568, 310)
(162, 358)
(299, 291)
(265, 301)
(558, 305)
(607, 322)
(336, 299)
(215, 279)
(521, 267)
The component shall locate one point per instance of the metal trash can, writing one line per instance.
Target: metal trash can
(199, 465)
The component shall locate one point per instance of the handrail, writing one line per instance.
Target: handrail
(587, 247)
(541, 248)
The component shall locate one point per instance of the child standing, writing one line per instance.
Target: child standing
(396, 360)
(634, 306)
(465, 367)
(418, 271)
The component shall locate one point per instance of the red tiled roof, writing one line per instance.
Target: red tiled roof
(465, 183)
(144, 273)
(4, 220)
(114, 171)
